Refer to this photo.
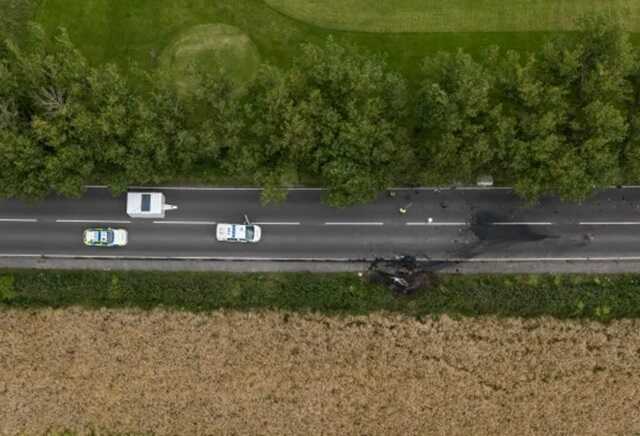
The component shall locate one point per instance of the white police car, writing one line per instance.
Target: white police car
(105, 237)
(238, 233)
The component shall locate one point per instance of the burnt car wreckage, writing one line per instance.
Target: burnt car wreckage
(403, 275)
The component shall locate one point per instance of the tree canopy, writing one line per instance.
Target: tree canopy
(563, 120)
(336, 114)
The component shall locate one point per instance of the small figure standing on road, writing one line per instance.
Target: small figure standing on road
(392, 194)
(404, 209)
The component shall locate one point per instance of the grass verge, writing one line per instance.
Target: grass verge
(561, 296)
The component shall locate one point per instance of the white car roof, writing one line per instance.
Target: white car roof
(143, 204)
(231, 231)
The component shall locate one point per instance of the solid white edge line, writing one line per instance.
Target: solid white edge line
(18, 220)
(94, 221)
(203, 188)
(328, 259)
(451, 188)
(353, 224)
(398, 188)
(609, 223)
(436, 224)
(521, 224)
(195, 223)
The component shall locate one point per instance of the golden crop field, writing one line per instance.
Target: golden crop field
(291, 374)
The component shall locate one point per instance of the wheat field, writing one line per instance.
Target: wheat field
(293, 374)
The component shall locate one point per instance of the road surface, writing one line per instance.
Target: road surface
(451, 224)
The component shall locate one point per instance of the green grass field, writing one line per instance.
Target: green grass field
(141, 31)
(122, 31)
(453, 15)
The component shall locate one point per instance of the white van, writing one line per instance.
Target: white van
(147, 205)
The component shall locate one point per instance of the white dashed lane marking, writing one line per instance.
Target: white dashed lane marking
(18, 220)
(94, 221)
(521, 224)
(610, 223)
(194, 223)
(424, 223)
(353, 224)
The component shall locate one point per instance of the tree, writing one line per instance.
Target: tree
(527, 133)
(456, 117)
(631, 159)
(218, 120)
(336, 115)
(569, 111)
(46, 142)
(348, 121)
(162, 143)
(267, 148)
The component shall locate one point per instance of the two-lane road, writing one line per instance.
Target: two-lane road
(439, 224)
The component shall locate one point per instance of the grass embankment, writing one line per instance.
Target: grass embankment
(560, 296)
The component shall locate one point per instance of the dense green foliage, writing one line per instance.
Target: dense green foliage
(561, 296)
(562, 121)
(457, 117)
(15, 16)
(336, 115)
(64, 123)
(556, 122)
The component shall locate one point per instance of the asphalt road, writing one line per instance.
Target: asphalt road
(453, 224)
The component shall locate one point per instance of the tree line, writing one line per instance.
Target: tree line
(564, 120)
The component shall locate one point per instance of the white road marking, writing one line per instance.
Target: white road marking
(329, 259)
(609, 223)
(400, 188)
(195, 223)
(277, 224)
(352, 224)
(521, 224)
(202, 188)
(18, 220)
(19, 255)
(94, 221)
(194, 188)
(452, 188)
(422, 223)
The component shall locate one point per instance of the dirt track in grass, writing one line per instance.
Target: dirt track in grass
(271, 373)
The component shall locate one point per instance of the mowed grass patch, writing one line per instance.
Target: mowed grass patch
(123, 32)
(454, 15)
(207, 47)
(560, 296)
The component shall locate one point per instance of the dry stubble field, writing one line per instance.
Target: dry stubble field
(271, 373)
